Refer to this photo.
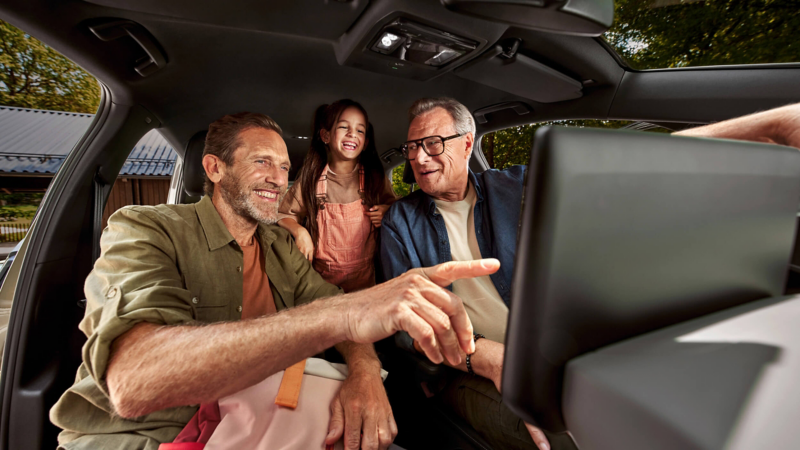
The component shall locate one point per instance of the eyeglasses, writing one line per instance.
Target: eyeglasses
(432, 145)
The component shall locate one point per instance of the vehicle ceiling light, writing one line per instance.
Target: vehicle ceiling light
(420, 44)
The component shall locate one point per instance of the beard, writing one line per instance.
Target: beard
(242, 201)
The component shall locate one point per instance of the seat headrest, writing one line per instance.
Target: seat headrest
(408, 174)
(193, 172)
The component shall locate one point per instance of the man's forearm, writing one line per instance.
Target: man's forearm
(157, 367)
(360, 357)
(778, 126)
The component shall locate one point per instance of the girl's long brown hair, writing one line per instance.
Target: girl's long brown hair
(315, 161)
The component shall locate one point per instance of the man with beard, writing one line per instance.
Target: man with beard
(191, 303)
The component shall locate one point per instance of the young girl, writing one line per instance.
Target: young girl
(341, 194)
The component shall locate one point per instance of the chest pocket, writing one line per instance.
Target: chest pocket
(210, 313)
(211, 299)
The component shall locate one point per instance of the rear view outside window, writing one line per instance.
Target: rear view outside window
(655, 34)
(46, 105)
(512, 146)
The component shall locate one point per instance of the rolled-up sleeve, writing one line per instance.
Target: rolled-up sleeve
(135, 280)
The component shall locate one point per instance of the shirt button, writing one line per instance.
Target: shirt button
(238, 268)
(195, 300)
(239, 309)
(111, 292)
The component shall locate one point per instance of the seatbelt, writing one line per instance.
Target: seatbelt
(101, 187)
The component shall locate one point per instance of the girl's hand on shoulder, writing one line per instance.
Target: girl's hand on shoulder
(376, 214)
(305, 244)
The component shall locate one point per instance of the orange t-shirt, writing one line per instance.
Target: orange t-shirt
(257, 297)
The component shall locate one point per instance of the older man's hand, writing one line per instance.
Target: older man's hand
(417, 302)
(362, 405)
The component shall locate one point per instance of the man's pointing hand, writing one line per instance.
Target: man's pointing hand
(417, 302)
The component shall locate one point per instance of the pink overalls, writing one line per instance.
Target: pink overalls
(345, 248)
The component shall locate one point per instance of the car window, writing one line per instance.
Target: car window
(145, 177)
(512, 146)
(46, 104)
(655, 34)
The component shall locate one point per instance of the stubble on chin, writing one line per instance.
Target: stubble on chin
(244, 204)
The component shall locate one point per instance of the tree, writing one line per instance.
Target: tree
(513, 146)
(652, 34)
(33, 75)
(401, 189)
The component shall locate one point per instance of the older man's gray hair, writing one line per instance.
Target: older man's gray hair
(462, 118)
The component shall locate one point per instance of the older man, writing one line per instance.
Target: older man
(168, 294)
(458, 215)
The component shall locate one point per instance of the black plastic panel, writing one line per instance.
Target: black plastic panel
(626, 232)
(521, 76)
(193, 171)
(317, 18)
(703, 95)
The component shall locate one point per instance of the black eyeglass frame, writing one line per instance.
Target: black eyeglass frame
(404, 147)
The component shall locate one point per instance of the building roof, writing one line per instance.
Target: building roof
(36, 141)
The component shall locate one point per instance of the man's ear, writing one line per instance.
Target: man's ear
(214, 168)
(469, 138)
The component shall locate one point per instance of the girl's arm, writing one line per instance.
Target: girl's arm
(301, 236)
(376, 214)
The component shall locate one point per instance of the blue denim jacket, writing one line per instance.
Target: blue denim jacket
(413, 233)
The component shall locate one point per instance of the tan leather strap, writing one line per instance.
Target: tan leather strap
(289, 391)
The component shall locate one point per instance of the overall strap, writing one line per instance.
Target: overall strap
(361, 184)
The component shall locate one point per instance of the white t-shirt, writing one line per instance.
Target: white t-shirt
(483, 303)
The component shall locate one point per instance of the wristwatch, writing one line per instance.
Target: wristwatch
(475, 338)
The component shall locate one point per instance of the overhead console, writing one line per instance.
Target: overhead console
(518, 74)
(414, 40)
(409, 42)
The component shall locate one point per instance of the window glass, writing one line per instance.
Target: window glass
(655, 34)
(145, 177)
(46, 104)
(513, 145)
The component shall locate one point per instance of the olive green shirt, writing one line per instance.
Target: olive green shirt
(167, 265)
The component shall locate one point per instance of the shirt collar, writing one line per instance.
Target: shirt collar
(266, 235)
(430, 205)
(217, 234)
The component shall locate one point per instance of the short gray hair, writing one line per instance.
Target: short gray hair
(462, 119)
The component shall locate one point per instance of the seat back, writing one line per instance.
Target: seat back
(193, 172)
(626, 232)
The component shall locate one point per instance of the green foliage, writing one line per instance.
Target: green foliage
(653, 34)
(21, 198)
(33, 75)
(13, 213)
(513, 145)
(401, 189)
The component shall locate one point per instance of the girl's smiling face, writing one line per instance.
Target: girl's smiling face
(348, 137)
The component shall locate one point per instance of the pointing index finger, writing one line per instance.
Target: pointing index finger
(444, 274)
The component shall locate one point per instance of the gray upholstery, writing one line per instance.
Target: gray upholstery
(627, 232)
(193, 173)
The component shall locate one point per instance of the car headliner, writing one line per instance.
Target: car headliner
(283, 59)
